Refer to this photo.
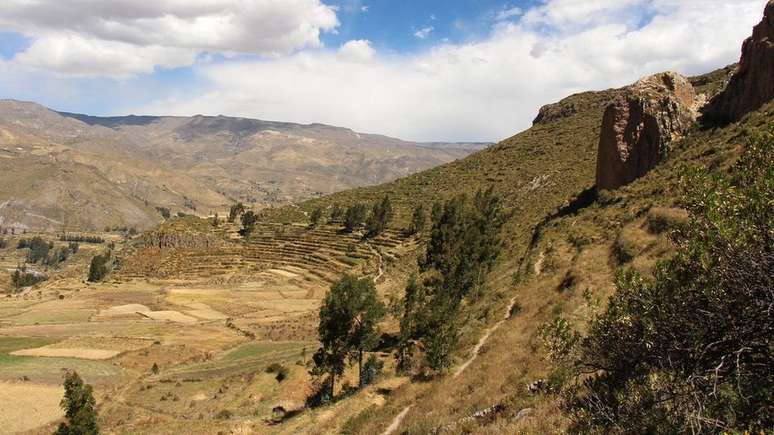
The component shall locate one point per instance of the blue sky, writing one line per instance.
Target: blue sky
(420, 70)
(393, 25)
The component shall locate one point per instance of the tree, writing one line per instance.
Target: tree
(418, 220)
(99, 267)
(464, 244)
(39, 249)
(235, 211)
(249, 219)
(348, 326)
(316, 216)
(79, 406)
(692, 349)
(216, 220)
(354, 217)
(164, 212)
(336, 213)
(412, 322)
(381, 214)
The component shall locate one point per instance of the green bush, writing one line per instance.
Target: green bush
(692, 350)
(100, 267)
(372, 369)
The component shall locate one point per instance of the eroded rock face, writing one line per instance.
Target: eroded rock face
(639, 125)
(753, 84)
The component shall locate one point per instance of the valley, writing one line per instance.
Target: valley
(217, 275)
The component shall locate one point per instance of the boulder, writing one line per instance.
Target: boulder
(753, 84)
(639, 125)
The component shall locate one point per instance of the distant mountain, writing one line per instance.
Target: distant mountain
(72, 170)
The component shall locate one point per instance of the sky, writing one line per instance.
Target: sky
(425, 70)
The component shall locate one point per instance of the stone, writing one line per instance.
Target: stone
(753, 84)
(523, 413)
(640, 124)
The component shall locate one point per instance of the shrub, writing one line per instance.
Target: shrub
(164, 212)
(224, 414)
(624, 249)
(22, 278)
(99, 267)
(279, 370)
(372, 369)
(691, 350)
(661, 219)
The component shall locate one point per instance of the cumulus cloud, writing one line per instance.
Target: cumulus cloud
(357, 50)
(486, 89)
(483, 90)
(85, 37)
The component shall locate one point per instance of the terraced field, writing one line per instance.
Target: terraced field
(178, 335)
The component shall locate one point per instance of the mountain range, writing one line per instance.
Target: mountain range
(65, 170)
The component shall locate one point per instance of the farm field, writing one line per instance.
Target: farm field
(188, 341)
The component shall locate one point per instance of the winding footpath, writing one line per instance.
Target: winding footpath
(398, 420)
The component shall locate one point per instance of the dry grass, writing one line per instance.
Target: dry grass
(27, 406)
(63, 352)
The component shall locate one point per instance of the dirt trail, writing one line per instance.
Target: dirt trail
(484, 338)
(397, 421)
(380, 273)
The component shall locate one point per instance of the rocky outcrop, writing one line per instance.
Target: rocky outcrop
(571, 106)
(753, 84)
(639, 125)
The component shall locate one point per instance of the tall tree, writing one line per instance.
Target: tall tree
(418, 220)
(249, 219)
(315, 217)
(354, 217)
(337, 212)
(235, 211)
(464, 243)
(348, 325)
(381, 214)
(412, 322)
(79, 406)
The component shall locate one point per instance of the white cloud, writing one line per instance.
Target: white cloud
(78, 36)
(508, 13)
(487, 89)
(358, 50)
(424, 32)
(482, 90)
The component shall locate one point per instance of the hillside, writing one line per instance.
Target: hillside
(122, 168)
(205, 325)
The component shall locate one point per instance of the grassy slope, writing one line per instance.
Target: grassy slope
(581, 246)
(535, 171)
